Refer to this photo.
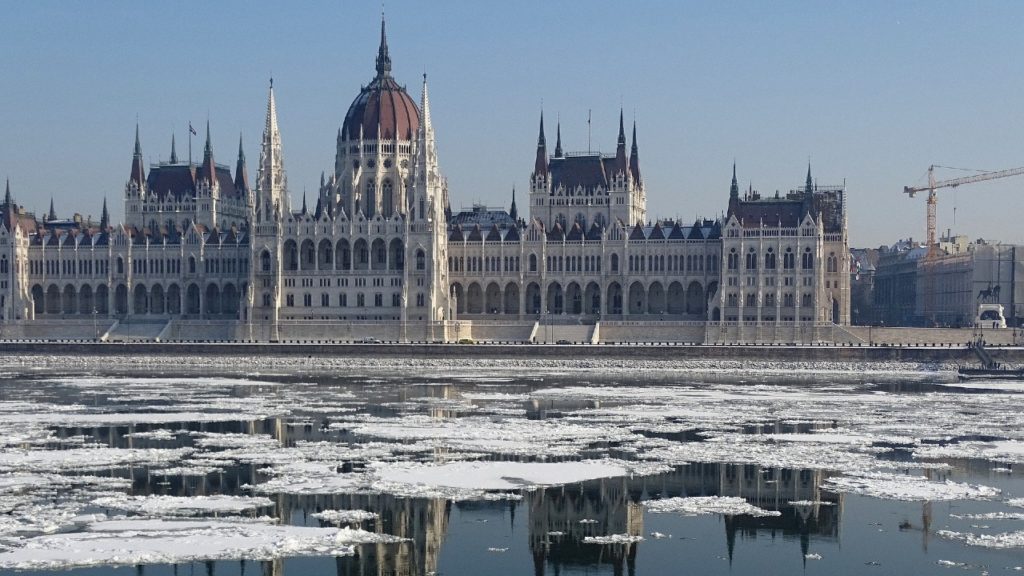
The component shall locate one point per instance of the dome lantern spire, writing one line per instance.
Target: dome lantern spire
(383, 59)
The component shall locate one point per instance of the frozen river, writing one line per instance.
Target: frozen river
(265, 466)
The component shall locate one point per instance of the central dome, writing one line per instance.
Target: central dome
(383, 110)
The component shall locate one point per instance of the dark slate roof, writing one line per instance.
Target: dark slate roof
(475, 234)
(179, 180)
(587, 171)
(512, 235)
(456, 234)
(494, 235)
(637, 233)
(676, 233)
(656, 232)
(575, 233)
(595, 232)
(556, 233)
(771, 210)
(484, 216)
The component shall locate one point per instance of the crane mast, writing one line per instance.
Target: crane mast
(934, 184)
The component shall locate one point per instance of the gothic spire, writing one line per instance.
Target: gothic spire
(513, 213)
(270, 176)
(809, 185)
(208, 171)
(620, 149)
(104, 216)
(208, 150)
(634, 157)
(138, 175)
(383, 59)
(558, 139)
(241, 178)
(734, 189)
(425, 107)
(174, 153)
(540, 166)
(304, 211)
(8, 200)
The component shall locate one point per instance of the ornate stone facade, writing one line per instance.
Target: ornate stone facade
(202, 255)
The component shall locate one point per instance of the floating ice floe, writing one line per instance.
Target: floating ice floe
(1003, 540)
(155, 505)
(492, 475)
(345, 516)
(697, 505)
(613, 539)
(1016, 502)
(86, 458)
(128, 542)
(812, 556)
(990, 516)
(1007, 451)
(909, 488)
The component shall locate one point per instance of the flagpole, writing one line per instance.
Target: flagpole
(190, 144)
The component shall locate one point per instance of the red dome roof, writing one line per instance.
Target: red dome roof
(383, 110)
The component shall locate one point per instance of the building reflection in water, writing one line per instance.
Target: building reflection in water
(560, 518)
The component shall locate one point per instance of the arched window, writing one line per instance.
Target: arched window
(807, 261)
(752, 260)
(371, 197)
(421, 260)
(533, 262)
(120, 265)
(789, 259)
(615, 262)
(734, 260)
(832, 264)
(386, 200)
(265, 261)
(769, 259)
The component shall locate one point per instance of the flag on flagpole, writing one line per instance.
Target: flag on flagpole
(192, 130)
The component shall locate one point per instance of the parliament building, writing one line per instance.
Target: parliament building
(205, 253)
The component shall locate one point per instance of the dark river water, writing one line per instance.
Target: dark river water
(845, 474)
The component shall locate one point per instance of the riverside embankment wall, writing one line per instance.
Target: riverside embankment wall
(817, 353)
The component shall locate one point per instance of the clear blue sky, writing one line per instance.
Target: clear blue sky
(871, 92)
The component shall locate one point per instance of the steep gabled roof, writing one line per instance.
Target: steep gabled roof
(637, 233)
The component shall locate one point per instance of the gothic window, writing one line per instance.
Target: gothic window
(751, 299)
(266, 300)
(769, 260)
(787, 299)
(265, 261)
(421, 260)
(789, 259)
(807, 261)
(533, 262)
(734, 260)
(806, 299)
(120, 265)
(751, 260)
(833, 262)
(769, 299)
(371, 197)
(387, 202)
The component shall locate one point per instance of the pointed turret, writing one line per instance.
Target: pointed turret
(734, 193)
(174, 152)
(104, 216)
(52, 214)
(8, 199)
(207, 170)
(540, 166)
(304, 211)
(241, 176)
(620, 148)
(138, 176)
(271, 182)
(513, 212)
(809, 185)
(634, 158)
(558, 139)
(383, 59)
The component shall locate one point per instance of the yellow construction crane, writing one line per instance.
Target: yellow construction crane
(934, 184)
